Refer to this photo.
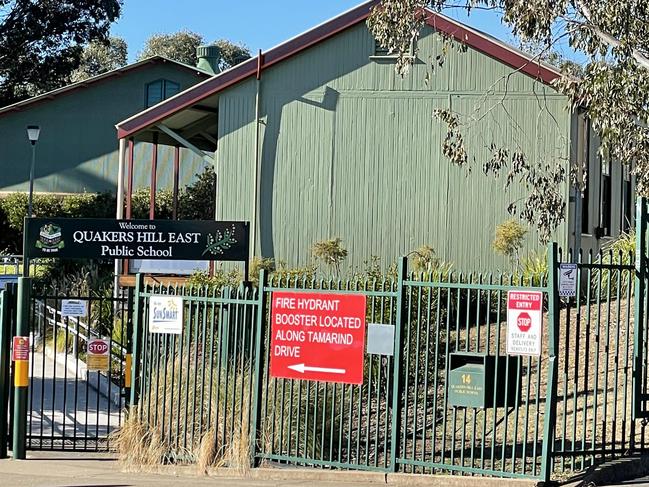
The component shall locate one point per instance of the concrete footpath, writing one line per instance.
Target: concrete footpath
(52, 469)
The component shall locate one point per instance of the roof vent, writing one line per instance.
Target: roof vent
(209, 58)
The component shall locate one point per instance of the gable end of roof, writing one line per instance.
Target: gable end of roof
(475, 39)
(115, 73)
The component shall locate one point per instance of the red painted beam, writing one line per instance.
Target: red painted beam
(154, 177)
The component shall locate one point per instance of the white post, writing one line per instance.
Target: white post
(120, 178)
(120, 202)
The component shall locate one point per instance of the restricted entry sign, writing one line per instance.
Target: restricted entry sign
(318, 336)
(524, 322)
(98, 355)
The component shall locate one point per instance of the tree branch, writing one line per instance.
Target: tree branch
(607, 38)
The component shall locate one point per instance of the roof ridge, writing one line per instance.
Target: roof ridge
(468, 35)
(93, 79)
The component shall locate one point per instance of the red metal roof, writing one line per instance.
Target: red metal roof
(462, 33)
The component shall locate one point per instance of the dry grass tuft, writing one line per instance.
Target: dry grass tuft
(139, 445)
(238, 454)
(206, 457)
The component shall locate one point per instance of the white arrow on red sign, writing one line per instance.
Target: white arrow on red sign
(301, 368)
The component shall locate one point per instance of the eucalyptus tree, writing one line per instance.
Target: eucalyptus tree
(41, 42)
(611, 84)
(181, 46)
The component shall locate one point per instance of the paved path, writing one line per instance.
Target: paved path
(84, 470)
(62, 405)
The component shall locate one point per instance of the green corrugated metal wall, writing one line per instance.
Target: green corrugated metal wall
(77, 150)
(350, 149)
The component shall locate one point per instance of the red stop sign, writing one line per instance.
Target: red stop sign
(97, 347)
(524, 322)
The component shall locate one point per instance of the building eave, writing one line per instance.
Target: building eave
(87, 83)
(473, 38)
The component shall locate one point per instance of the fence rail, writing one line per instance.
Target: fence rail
(213, 381)
(208, 395)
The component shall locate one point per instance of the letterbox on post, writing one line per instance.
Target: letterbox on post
(474, 379)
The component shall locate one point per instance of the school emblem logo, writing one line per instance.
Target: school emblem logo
(50, 239)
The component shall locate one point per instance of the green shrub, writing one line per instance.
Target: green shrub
(14, 207)
(425, 262)
(331, 253)
(283, 273)
(140, 204)
(198, 200)
(219, 279)
(534, 269)
(259, 263)
(619, 251)
(509, 238)
(89, 205)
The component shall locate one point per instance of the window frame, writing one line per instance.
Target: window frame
(377, 56)
(163, 90)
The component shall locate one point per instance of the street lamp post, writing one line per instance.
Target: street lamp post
(21, 367)
(33, 131)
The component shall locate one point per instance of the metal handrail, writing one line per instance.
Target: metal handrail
(90, 333)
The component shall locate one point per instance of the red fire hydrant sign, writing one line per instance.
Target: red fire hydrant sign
(318, 336)
(524, 322)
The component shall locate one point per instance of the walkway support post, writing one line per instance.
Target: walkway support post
(119, 214)
(21, 372)
(549, 416)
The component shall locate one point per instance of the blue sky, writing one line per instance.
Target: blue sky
(256, 23)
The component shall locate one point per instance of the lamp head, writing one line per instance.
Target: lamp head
(33, 131)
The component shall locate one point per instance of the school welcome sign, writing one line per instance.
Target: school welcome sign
(105, 238)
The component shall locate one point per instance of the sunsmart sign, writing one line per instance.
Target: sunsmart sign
(524, 322)
(166, 314)
(105, 238)
(318, 336)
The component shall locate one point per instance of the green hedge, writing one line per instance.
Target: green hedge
(195, 201)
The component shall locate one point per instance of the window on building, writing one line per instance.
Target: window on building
(380, 51)
(160, 90)
(605, 197)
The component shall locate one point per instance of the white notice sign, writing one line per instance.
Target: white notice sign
(524, 322)
(166, 314)
(74, 307)
(568, 280)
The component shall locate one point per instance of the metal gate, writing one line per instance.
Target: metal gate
(7, 328)
(571, 407)
(583, 400)
(69, 406)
